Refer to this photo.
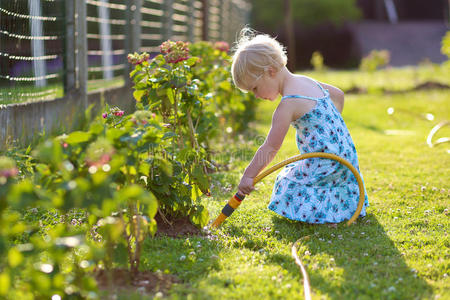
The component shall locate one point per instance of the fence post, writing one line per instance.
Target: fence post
(168, 22)
(81, 48)
(205, 20)
(191, 21)
(220, 22)
(69, 53)
(224, 21)
(136, 25)
(133, 31)
(128, 40)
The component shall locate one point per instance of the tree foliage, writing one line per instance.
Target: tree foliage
(270, 15)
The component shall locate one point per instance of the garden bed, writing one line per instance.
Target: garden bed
(177, 227)
(144, 282)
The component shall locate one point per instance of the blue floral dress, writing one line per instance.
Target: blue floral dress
(319, 190)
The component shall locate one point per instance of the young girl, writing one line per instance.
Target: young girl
(315, 190)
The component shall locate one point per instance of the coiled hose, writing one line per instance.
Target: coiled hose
(236, 200)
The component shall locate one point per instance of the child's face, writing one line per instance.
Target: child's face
(266, 87)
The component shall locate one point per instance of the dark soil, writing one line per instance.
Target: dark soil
(430, 85)
(356, 90)
(147, 281)
(175, 227)
(427, 85)
(144, 281)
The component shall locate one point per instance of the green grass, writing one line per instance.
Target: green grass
(399, 251)
(33, 94)
(394, 79)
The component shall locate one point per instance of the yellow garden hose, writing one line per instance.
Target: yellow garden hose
(432, 133)
(236, 200)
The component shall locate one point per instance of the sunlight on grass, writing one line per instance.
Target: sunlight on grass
(399, 251)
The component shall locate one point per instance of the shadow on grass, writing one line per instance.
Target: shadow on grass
(358, 261)
(187, 257)
(346, 262)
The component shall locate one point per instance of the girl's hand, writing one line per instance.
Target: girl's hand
(246, 185)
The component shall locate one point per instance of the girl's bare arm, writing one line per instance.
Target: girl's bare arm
(280, 124)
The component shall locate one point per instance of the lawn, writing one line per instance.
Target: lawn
(400, 250)
(31, 93)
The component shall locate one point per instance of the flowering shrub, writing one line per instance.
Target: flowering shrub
(317, 61)
(166, 86)
(118, 172)
(142, 117)
(99, 153)
(137, 59)
(174, 51)
(114, 115)
(222, 46)
(233, 109)
(7, 169)
(375, 60)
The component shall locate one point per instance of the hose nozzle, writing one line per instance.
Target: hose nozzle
(228, 209)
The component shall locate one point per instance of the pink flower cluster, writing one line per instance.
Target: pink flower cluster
(104, 159)
(137, 59)
(142, 117)
(222, 46)
(7, 167)
(113, 111)
(9, 173)
(174, 51)
(99, 153)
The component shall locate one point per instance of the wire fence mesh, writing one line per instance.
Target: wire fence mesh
(39, 58)
(31, 50)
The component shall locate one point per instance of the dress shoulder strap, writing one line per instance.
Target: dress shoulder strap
(300, 97)
(324, 91)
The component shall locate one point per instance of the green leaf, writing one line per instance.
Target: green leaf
(138, 78)
(152, 205)
(169, 135)
(170, 95)
(201, 179)
(5, 282)
(114, 133)
(14, 257)
(77, 137)
(154, 105)
(22, 194)
(49, 152)
(200, 217)
(144, 169)
(42, 281)
(152, 227)
(121, 254)
(96, 128)
(191, 61)
(133, 191)
(138, 94)
(132, 73)
(134, 138)
(226, 85)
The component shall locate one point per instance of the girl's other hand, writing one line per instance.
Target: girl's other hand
(246, 185)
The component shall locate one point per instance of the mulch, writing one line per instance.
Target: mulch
(144, 281)
(176, 228)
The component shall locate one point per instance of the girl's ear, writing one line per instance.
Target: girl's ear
(272, 72)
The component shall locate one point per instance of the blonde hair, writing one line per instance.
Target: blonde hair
(253, 55)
